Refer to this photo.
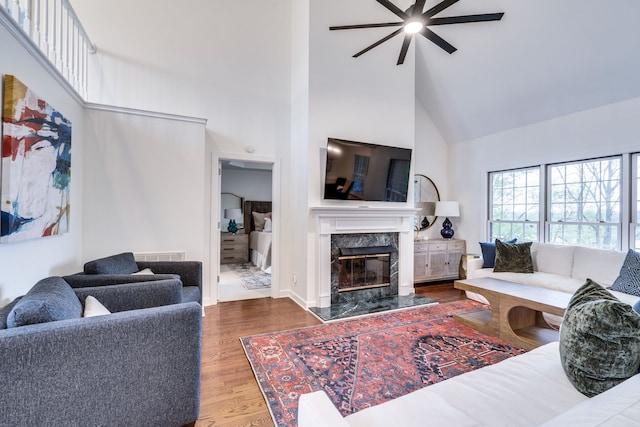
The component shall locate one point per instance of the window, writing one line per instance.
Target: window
(514, 208)
(397, 181)
(584, 203)
(635, 204)
(360, 169)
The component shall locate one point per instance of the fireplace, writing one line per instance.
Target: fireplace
(362, 227)
(368, 228)
(364, 268)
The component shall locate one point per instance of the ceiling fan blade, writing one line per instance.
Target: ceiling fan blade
(466, 18)
(378, 43)
(439, 8)
(417, 8)
(354, 27)
(405, 48)
(442, 43)
(393, 8)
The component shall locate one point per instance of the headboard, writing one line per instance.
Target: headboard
(253, 206)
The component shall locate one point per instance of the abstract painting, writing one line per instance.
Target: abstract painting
(36, 166)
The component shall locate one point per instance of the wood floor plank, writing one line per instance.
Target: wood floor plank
(230, 395)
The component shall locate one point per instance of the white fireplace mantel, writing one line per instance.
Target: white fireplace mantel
(351, 220)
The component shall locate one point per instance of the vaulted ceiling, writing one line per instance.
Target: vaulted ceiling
(544, 59)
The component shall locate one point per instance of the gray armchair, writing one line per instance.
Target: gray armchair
(139, 365)
(118, 269)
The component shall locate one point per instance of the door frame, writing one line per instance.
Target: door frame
(216, 190)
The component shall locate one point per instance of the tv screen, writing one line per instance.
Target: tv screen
(367, 172)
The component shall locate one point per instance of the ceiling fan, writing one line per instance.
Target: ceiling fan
(414, 21)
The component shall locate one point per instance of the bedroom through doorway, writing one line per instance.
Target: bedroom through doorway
(246, 221)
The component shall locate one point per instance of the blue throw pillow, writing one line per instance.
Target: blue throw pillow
(629, 279)
(636, 307)
(49, 300)
(123, 263)
(489, 252)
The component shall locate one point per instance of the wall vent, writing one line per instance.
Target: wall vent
(160, 256)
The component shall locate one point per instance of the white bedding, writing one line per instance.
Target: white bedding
(260, 246)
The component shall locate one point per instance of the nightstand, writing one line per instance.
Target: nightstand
(234, 248)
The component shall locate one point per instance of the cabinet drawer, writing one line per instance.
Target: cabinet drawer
(420, 247)
(235, 246)
(438, 246)
(456, 246)
(230, 258)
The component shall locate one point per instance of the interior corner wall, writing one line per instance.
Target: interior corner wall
(431, 159)
(23, 264)
(145, 187)
(607, 130)
(295, 165)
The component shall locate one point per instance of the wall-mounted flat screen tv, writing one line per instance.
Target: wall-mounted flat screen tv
(366, 172)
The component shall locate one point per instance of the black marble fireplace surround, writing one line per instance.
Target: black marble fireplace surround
(365, 240)
(366, 301)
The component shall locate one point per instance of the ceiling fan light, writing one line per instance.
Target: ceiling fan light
(414, 26)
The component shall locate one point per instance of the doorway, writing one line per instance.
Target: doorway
(246, 225)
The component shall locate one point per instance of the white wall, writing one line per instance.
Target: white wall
(368, 99)
(612, 129)
(431, 159)
(224, 60)
(250, 184)
(145, 186)
(23, 264)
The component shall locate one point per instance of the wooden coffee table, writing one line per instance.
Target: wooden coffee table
(515, 312)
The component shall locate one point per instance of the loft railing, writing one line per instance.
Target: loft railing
(55, 29)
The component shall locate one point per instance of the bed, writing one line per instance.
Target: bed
(259, 241)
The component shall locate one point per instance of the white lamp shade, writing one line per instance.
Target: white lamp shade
(426, 208)
(235, 214)
(447, 209)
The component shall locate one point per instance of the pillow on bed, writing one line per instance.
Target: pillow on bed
(267, 225)
(259, 219)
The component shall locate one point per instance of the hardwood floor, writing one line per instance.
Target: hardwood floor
(230, 395)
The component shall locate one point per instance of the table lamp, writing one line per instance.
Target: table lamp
(447, 209)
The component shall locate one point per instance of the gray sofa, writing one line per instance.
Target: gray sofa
(139, 365)
(120, 268)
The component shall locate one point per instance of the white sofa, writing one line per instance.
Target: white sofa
(526, 390)
(562, 268)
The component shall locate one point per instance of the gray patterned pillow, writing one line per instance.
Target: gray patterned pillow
(513, 257)
(629, 279)
(599, 340)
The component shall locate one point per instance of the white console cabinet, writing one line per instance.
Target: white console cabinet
(437, 259)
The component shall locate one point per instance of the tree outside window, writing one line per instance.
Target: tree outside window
(514, 208)
(584, 203)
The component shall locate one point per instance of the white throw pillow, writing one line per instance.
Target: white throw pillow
(93, 307)
(267, 225)
(145, 271)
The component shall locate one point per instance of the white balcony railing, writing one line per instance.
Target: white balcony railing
(55, 29)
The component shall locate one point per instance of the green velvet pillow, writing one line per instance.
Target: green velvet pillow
(599, 340)
(513, 257)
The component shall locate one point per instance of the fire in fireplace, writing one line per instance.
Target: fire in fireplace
(364, 268)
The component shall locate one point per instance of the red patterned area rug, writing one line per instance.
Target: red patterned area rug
(367, 361)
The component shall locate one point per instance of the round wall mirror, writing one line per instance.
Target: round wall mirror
(425, 197)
